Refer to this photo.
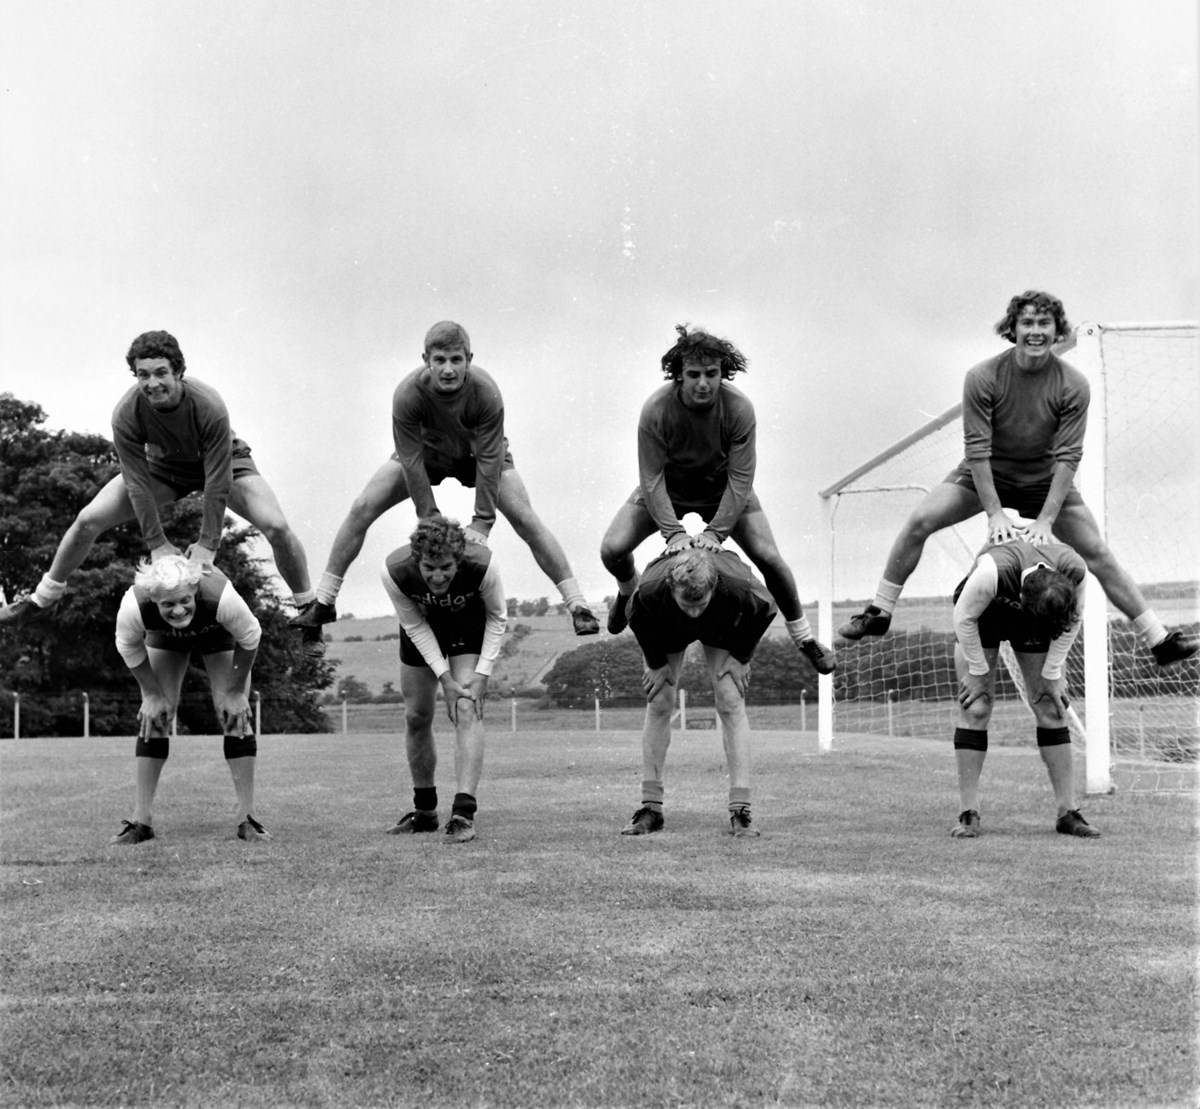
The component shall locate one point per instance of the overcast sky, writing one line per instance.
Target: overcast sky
(850, 191)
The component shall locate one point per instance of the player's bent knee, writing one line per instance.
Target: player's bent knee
(152, 747)
(1053, 737)
(662, 703)
(240, 747)
(274, 531)
(970, 739)
(418, 720)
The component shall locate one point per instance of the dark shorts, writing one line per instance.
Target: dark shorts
(705, 510)
(995, 627)
(212, 641)
(1002, 622)
(463, 636)
(438, 467)
(243, 466)
(1025, 499)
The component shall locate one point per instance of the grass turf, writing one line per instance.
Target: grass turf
(853, 955)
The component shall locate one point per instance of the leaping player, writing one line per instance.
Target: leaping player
(696, 453)
(172, 437)
(448, 422)
(1024, 413)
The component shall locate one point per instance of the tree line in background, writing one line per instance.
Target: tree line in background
(45, 479)
(906, 666)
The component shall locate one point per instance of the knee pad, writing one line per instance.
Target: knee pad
(970, 739)
(1053, 737)
(152, 747)
(240, 747)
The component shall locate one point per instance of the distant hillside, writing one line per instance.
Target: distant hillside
(373, 660)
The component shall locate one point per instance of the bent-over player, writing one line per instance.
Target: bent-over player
(171, 611)
(684, 597)
(450, 602)
(1030, 596)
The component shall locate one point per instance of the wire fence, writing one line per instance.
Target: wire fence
(79, 714)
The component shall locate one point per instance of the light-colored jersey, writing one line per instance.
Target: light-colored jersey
(690, 460)
(466, 424)
(191, 445)
(1024, 422)
(219, 608)
(475, 594)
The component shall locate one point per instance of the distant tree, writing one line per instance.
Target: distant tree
(45, 479)
(351, 689)
(512, 639)
(541, 606)
(612, 668)
(512, 604)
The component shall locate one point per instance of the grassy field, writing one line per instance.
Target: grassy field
(855, 955)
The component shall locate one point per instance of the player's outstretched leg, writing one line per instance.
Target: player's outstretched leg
(943, 506)
(513, 502)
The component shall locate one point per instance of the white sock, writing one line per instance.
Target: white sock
(328, 587)
(48, 591)
(887, 596)
(571, 593)
(1149, 628)
(301, 599)
(799, 630)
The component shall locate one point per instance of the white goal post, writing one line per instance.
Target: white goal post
(1139, 476)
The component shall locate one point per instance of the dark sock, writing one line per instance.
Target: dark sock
(425, 799)
(464, 805)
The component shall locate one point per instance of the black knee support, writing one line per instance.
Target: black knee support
(1053, 737)
(155, 747)
(970, 739)
(240, 747)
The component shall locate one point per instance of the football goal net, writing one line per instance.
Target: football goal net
(1140, 724)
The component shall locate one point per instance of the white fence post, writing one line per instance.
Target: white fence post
(257, 713)
(345, 717)
(597, 704)
(87, 728)
(16, 716)
(514, 714)
(682, 709)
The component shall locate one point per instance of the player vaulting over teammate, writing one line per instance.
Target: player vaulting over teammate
(448, 422)
(696, 453)
(173, 438)
(1024, 413)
